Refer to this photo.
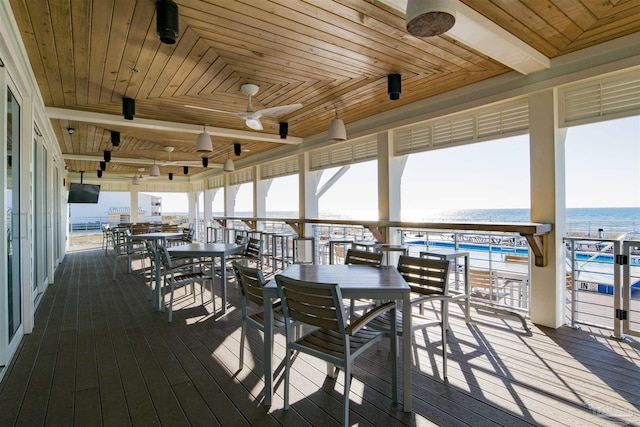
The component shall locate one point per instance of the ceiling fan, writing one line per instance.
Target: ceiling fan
(252, 118)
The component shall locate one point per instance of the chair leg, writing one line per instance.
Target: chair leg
(287, 368)
(393, 342)
(444, 307)
(171, 305)
(243, 332)
(347, 387)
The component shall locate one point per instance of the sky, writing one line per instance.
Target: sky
(602, 170)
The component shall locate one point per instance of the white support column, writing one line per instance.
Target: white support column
(547, 152)
(390, 171)
(307, 192)
(134, 203)
(230, 193)
(208, 211)
(260, 191)
(191, 200)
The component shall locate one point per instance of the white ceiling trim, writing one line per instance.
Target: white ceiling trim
(109, 119)
(126, 160)
(483, 35)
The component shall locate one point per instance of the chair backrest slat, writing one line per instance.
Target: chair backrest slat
(425, 276)
(250, 282)
(254, 248)
(316, 304)
(357, 257)
(169, 228)
(166, 258)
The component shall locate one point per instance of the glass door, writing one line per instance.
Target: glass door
(56, 215)
(11, 298)
(39, 197)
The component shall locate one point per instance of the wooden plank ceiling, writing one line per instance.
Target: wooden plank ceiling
(89, 54)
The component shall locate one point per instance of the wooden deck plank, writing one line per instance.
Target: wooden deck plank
(139, 404)
(129, 366)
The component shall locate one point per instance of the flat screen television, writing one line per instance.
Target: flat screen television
(83, 193)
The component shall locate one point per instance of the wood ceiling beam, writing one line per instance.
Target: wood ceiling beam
(110, 119)
(485, 36)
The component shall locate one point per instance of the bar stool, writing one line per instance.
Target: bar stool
(387, 249)
(267, 251)
(453, 256)
(232, 234)
(342, 244)
(302, 247)
(215, 234)
(280, 249)
(365, 245)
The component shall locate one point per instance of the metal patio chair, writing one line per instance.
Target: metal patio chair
(250, 282)
(333, 339)
(429, 281)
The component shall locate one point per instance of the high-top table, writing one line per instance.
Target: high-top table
(213, 250)
(355, 281)
(155, 238)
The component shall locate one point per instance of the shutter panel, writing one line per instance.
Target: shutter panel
(500, 120)
(344, 154)
(241, 177)
(414, 139)
(196, 186)
(604, 99)
(283, 167)
(215, 182)
(510, 120)
(457, 130)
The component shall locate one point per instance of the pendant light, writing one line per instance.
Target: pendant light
(337, 131)
(154, 170)
(204, 141)
(228, 164)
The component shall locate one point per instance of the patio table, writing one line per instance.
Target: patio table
(155, 238)
(355, 281)
(213, 250)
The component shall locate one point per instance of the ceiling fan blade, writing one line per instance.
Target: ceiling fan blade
(278, 111)
(253, 123)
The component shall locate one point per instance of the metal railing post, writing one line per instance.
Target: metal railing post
(617, 290)
(574, 293)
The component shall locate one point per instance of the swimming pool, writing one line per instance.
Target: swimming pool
(603, 258)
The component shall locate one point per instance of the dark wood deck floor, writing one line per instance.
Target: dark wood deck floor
(100, 355)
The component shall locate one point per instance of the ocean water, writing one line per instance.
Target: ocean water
(612, 221)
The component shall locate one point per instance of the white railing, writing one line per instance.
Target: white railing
(595, 270)
(499, 264)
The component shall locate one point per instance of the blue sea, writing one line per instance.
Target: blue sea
(612, 221)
